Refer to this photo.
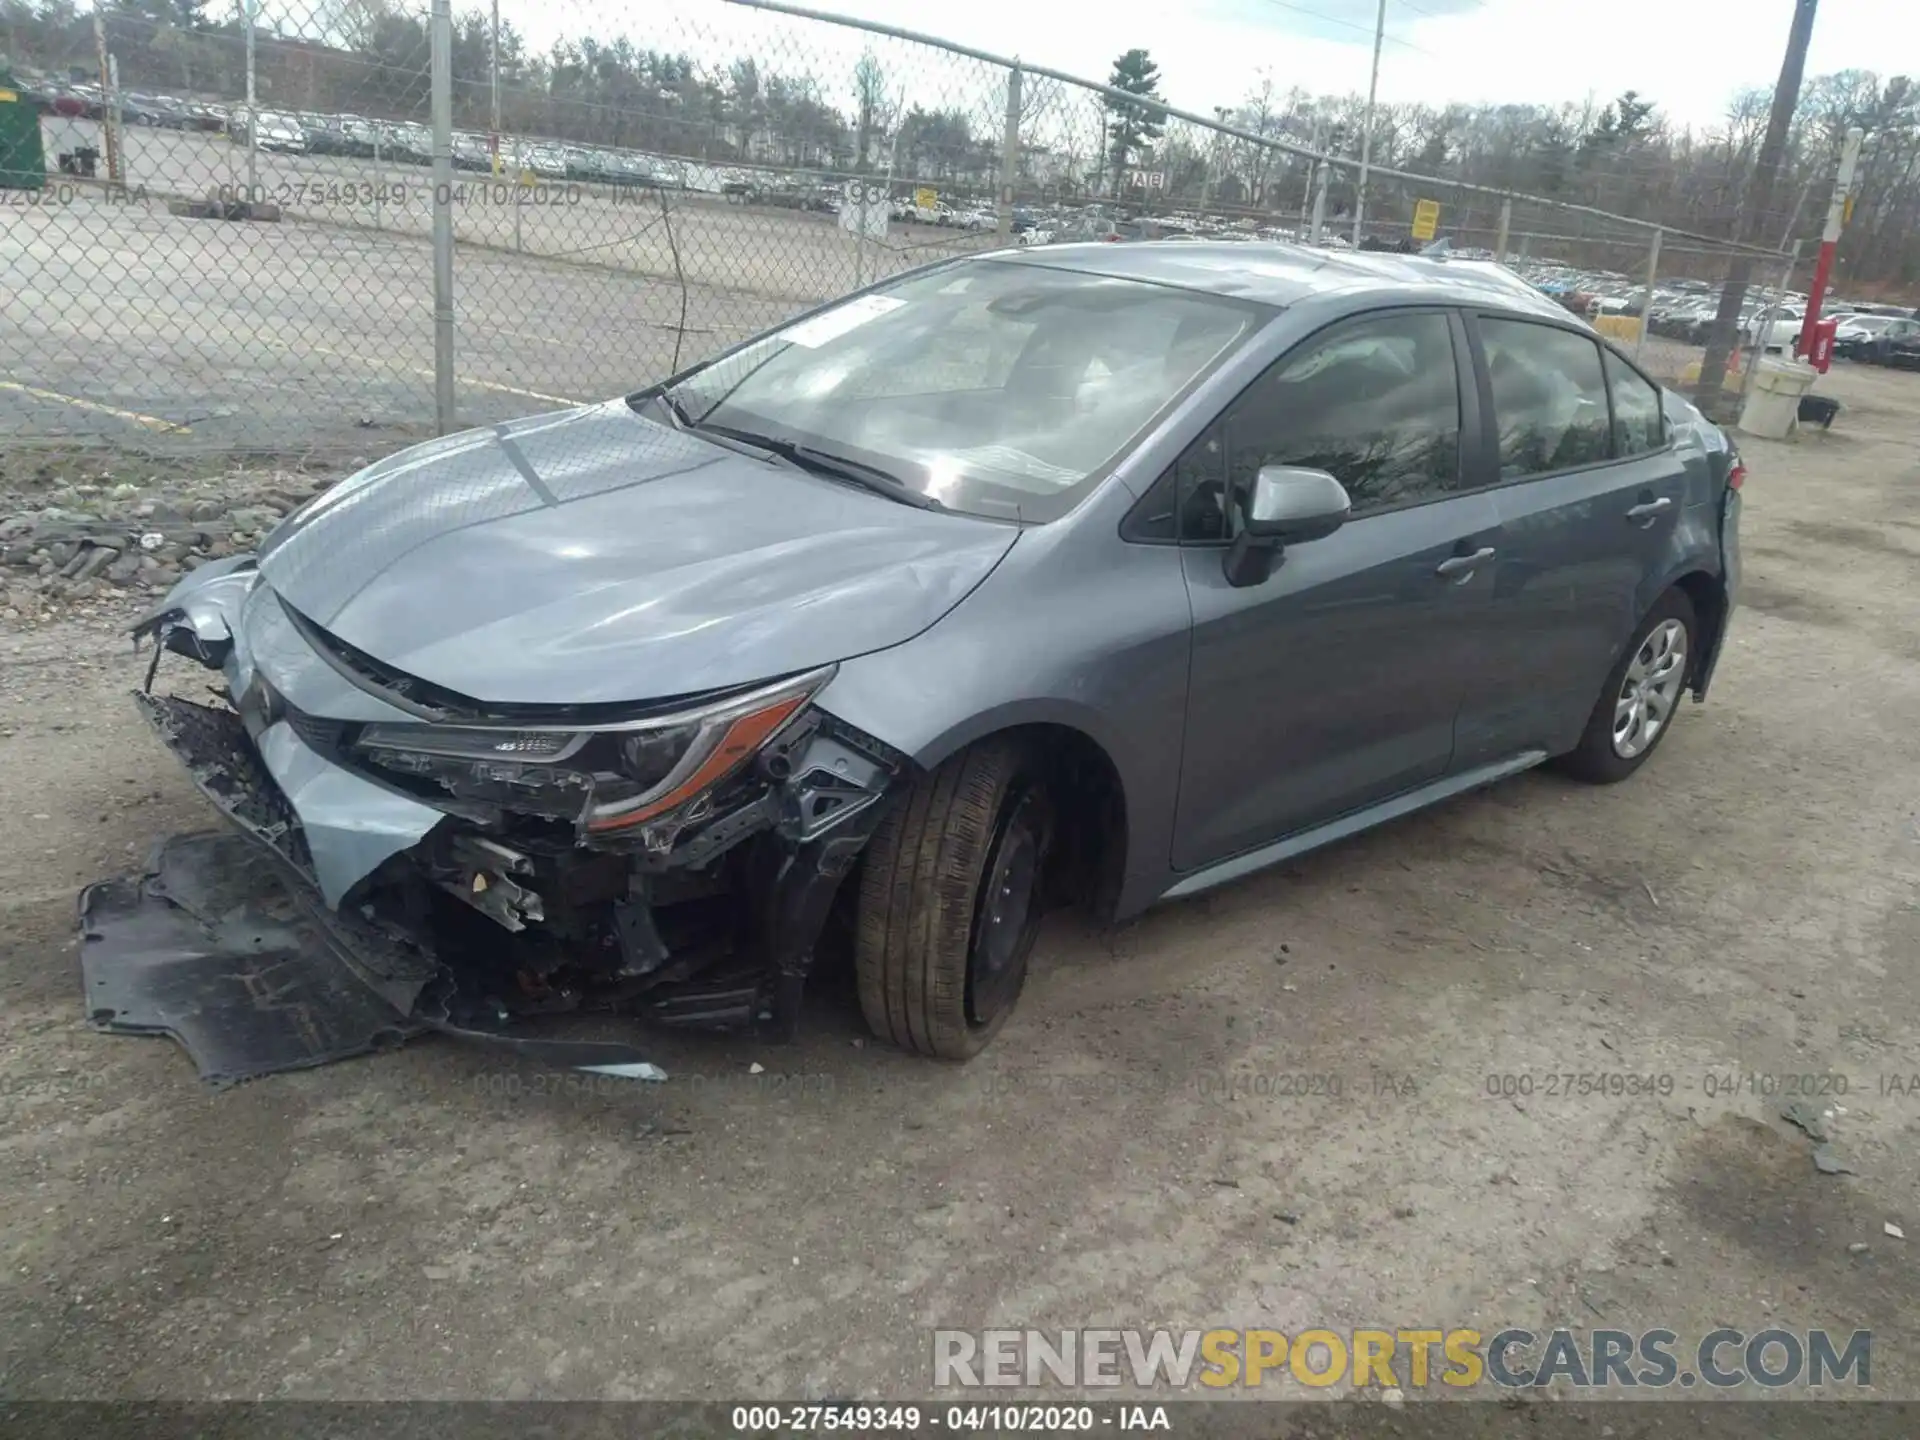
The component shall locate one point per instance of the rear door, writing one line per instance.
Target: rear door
(1589, 495)
(1335, 682)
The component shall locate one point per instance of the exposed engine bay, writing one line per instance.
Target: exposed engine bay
(476, 865)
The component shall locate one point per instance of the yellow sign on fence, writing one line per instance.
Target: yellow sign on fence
(1618, 327)
(1426, 219)
(926, 197)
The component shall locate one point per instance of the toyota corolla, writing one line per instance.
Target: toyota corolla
(1098, 574)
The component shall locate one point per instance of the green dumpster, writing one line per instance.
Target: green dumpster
(23, 162)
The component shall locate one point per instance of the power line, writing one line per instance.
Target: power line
(1366, 30)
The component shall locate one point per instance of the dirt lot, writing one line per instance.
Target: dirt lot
(435, 1223)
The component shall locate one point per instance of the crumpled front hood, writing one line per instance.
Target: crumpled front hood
(596, 556)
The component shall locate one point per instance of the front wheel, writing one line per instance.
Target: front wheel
(1642, 695)
(949, 902)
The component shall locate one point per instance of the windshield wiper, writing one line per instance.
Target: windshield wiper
(822, 462)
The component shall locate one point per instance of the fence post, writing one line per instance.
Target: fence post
(1010, 154)
(442, 90)
(1646, 294)
(249, 13)
(1320, 172)
(1506, 228)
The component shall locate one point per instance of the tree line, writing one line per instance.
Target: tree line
(370, 57)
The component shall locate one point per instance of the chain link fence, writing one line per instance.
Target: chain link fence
(234, 249)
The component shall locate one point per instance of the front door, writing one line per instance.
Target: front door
(1335, 682)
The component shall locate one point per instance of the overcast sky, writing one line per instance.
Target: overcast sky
(1690, 56)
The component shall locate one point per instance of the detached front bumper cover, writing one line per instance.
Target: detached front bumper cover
(272, 948)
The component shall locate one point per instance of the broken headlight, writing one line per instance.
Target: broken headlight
(609, 776)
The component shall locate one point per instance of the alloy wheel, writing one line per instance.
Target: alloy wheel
(1650, 690)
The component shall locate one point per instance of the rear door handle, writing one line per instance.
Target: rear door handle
(1648, 509)
(1464, 565)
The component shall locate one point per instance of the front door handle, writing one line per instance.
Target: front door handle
(1648, 510)
(1463, 566)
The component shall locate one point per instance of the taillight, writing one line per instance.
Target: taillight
(1737, 475)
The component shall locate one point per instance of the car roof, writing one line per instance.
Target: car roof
(1276, 273)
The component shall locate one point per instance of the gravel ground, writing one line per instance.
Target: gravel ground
(438, 1223)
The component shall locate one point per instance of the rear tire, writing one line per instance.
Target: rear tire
(1642, 695)
(949, 902)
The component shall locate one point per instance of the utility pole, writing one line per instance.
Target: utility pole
(1830, 237)
(1313, 172)
(109, 107)
(1321, 170)
(1366, 134)
(1009, 157)
(1759, 197)
(493, 67)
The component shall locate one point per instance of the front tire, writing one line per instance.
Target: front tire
(949, 902)
(1642, 695)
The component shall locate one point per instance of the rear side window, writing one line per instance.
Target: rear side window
(1549, 397)
(1636, 409)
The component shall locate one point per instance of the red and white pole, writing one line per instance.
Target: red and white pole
(1830, 237)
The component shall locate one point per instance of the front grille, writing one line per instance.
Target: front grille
(316, 733)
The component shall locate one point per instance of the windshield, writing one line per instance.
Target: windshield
(998, 388)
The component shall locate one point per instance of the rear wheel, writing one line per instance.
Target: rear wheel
(1642, 695)
(949, 902)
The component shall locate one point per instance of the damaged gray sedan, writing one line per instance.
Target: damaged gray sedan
(1098, 573)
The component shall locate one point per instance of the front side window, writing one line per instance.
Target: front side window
(1636, 409)
(994, 387)
(1374, 402)
(1549, 397)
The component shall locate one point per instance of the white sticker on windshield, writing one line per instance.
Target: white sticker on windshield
(835, 323)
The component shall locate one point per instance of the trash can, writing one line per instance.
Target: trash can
(23, 163)
(1772, 408)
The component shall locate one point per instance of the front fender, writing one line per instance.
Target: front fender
(207, 601)
(1096, 641)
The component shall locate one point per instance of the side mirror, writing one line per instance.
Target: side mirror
(1289, 505)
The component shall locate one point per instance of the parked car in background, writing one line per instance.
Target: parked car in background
(627, 697)
(471, 151)
(1900, 346)
(406, 143)
(1862, 336)
(271, 131)
(327, 135)
(361, 137)
(548, 161)
(1780, 337)
(158, 111)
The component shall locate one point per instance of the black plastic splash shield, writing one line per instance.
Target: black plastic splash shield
(213, 947)
(221, 946)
